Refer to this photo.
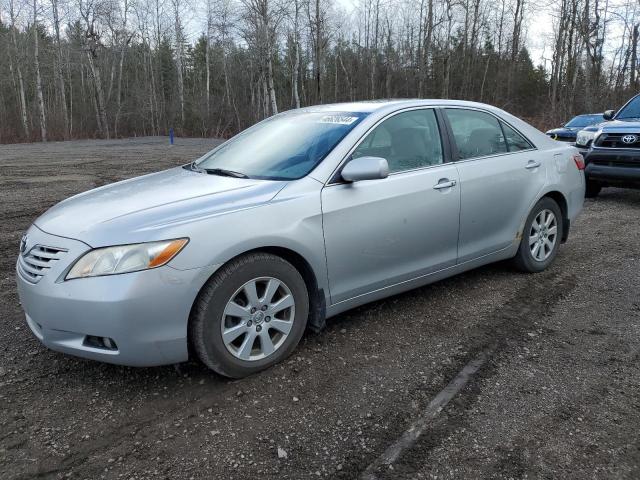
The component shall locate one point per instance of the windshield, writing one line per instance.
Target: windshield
(585, 120)
(630, 110)
(284, 147)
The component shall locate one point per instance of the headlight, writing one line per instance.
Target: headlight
(126, 258)
(585, 137)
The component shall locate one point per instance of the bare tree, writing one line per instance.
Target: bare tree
(263, 18)
(179, 41)
(89, 11)
(123, 38)
(36, 65)
(21, 94)
(296, 46)
(59, 69)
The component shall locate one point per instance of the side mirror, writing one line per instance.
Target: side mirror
(365, 168)
(562, 124)
(608, 114)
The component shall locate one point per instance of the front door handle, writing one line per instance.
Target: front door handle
(531, 164)
(444, 183)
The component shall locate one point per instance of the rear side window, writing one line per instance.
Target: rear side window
(515, 141)
(477, 134)
(408, 140)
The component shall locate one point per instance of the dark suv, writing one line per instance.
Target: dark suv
(612, 149)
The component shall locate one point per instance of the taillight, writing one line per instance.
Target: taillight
(579, 159)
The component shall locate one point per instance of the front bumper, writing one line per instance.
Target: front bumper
(613, 166)
(144, 313)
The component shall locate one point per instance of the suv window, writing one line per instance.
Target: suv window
(407, 141)
(630, 111)
(515, 141)
(477, 134)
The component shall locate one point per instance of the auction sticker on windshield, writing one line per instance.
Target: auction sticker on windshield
(339, 119)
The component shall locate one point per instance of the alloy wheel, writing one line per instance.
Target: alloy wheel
(543, 235)
(258, 318)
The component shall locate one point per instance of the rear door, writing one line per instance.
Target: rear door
(501, 175)
(382, 232)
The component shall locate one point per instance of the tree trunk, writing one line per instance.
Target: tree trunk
(296, 60)
(119, 88)
(346, 76)
(21, 94)
(36, 65)
(207, 59)
(374, 52)
(123, 49)
(100, 105)
(59, 72)
(426, 48)
(272, 90)
(634, 58)
(179, 63)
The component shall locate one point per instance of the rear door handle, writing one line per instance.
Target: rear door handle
(531, 164)
(444, 183)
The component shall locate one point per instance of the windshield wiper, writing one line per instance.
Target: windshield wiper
(225, 173)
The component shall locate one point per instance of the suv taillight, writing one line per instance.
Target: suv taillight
(579, 159)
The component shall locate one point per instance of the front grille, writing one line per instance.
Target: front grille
(615, 162)
(36, 263)
(614, 140)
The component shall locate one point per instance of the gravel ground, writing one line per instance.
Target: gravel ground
(559, 398)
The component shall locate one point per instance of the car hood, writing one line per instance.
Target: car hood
(137, 209)
(622, 125)
(564, 130)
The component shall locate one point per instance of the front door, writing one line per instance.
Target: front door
(382, 232)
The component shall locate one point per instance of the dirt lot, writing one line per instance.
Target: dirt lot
(559, 398)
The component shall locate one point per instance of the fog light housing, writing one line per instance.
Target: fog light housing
(104, 343)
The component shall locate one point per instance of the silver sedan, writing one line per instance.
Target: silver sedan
(300, 217)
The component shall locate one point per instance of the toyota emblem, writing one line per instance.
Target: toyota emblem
(23, 243)
(628, 139)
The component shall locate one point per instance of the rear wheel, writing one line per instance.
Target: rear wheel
(592, 189)
(541, 237)
(250, 315)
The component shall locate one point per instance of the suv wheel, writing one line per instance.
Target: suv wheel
(592, 189)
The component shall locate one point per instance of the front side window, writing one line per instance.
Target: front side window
(476, 134)
(284, 147)
(408, 140)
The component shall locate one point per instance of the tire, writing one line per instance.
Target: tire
(228, 292)
(592, 189)
(545, 254)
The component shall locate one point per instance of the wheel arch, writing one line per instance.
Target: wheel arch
(561, 200)
(317, 300)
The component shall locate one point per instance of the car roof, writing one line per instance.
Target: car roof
(368, 106)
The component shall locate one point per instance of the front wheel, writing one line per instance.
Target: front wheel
(250, 315)
(541, 237)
